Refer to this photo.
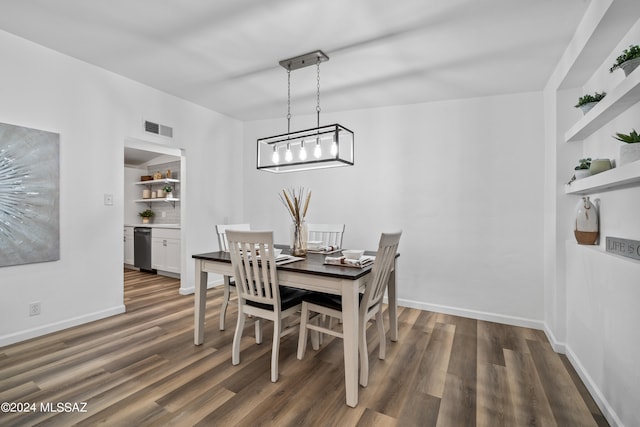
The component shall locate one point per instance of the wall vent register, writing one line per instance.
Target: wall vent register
(158, 129)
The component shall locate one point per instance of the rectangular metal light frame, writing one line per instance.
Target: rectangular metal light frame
(326, 135)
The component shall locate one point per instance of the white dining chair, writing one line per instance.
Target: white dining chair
(259, 292)
(221, 231)
(329, 234)
(315, 304)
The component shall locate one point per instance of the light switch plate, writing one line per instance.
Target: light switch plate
(108, 199)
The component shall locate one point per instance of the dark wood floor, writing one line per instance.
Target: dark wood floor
(141, 368)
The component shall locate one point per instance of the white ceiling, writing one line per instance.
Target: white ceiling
(224, 54)
(137, 157)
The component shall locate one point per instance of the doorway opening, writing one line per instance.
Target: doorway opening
(154, 184)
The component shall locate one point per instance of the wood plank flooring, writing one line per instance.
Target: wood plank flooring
(142, 369)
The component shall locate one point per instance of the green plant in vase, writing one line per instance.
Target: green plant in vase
(628, 61)
(630, 150)
(146, 215)
(167, 189)
(630, 138)
(582, 170)
(588, 101)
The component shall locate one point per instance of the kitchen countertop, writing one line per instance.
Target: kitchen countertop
(177, 226)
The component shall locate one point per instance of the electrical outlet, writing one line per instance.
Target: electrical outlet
(164, 214)
(34, 308)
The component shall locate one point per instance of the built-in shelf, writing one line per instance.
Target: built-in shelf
(625, 95)
(158, 181)
(157, 199)
(151, 183)
(598, 249)
(613, 179)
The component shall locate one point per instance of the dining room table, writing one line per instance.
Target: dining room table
(313, 274)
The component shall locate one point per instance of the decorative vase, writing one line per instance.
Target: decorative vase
(629, 153)
(145, 220)
(586, 226)
(168, 194)
(629, 66)
(599, 165)
(581, 173)
(588, 106)
(299, 237)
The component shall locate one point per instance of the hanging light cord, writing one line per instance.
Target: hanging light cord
(318, 105)
(289, 100)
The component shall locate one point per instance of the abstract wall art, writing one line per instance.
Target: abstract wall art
(29, 195)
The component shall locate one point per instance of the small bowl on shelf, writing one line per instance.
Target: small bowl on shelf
(599, 165)
(353, 253)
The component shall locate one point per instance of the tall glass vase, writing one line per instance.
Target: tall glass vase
(299, 237)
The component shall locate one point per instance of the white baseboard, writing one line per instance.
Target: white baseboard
(558, 346)
(594, 390)
(596, 393)
(474, 314)
(168, 274)
(58, 326)
(188, 290)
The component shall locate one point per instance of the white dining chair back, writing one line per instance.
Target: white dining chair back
(259, 292)
(330, 234)
(221, 230)
(382, 267)
(316, 304)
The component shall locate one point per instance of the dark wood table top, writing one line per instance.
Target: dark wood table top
(312, 264)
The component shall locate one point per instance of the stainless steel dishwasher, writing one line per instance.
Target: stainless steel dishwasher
(142, 248)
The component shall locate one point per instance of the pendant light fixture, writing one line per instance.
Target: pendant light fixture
(325, 146)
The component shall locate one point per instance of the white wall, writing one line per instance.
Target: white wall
(591, 296)
(603, 290)
(462, 179)
(94, 111)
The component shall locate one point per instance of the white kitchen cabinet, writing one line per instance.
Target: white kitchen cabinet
(165, 249)
(128, 245)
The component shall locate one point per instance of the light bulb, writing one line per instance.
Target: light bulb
(317, 152)
(287, 154)
(276, 156)
(303, 152)
(334, 147)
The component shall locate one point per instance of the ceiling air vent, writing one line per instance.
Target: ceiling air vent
(158, 129)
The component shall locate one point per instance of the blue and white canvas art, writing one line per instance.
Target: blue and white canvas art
(29, 195)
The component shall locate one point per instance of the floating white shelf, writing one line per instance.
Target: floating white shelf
(157, 199)
(616, 178)
(626, 94)
(158, 181)
(598, 249)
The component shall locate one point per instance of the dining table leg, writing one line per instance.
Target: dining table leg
(393, 304)
(350, 304)
(200, 292)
